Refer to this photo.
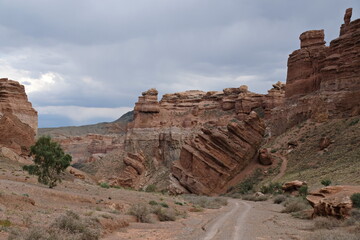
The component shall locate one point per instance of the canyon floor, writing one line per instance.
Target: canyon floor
(26, 204)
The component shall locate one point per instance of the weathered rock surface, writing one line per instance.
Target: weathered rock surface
(332, 200)
(323, 81)
(293, 186)
(90, 147)
(210, 160)
(265, 157)
(133, 174)
(18, 120)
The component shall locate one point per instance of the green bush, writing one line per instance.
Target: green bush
(165, 205)
(153, 203)
(50, 161)
(104, 185)
(150, 188)
(355, 198)
(5, 223)
(326, 182)
(272, 188)
(303, 191)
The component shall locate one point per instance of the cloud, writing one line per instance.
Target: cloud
(110, 51)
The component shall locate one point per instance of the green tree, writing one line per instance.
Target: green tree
(50, 161)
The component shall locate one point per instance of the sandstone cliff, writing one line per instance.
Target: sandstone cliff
(18, 120)
(323, 81)
(210, 160)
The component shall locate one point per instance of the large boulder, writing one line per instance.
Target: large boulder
(293, 186)
(332, 200)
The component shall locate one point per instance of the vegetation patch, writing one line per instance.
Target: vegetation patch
(206, 202)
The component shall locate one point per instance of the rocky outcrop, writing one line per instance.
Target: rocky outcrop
(161, 128)
(332, 200)
(210, 160)
(133, 173)
(18, 120)
(293, 186)
(90, 147)
(323, 81)
(265, 157)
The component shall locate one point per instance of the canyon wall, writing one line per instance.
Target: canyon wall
(18, 119)
(322, 81)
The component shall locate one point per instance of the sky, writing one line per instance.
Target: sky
(87, 61)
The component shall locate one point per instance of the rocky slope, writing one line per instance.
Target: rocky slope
(18, 120)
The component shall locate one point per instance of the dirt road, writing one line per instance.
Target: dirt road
(229, 225)
(243, 220)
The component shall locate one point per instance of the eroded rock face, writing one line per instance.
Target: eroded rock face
(332, 200)
(210, 160)
(90, 147)
(323, 81)
(18, 120)
(265, 157)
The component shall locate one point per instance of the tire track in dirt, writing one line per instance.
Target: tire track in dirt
(229, 225)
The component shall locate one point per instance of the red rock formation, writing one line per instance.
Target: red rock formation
(332, 200)
(322, 82)
(18, 120)
(90, 147)
(293, 186)
(133, 173)
(265, 157)
(160, 129)
(210, 160)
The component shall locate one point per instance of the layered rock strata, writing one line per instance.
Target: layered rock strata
(161, 128)
(332, 201)
(322, 81)
(18, 119)
(210, 160)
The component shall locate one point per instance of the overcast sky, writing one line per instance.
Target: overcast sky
(87, 61)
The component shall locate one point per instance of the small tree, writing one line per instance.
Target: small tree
(50, 161)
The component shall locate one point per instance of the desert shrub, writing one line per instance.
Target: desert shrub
(206, 202)
(5, 223)
(141, 212)
(165, 205)
(104, 185)
(355, 198)
(295, 205)
(303, 191)
(279, 199)
(50, 161)
(68, 226)
(326, 182)
(248, 184)
(355, 214)
(179, 203)
(326, 223)
(165, 214)
(272, 188)
(150, 188)
(332, 235)
(255, 198)
(153, 203)
(72, 223)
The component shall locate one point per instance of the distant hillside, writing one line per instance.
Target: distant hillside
(116, 127)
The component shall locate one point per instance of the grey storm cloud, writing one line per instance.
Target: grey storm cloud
(95, 56)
